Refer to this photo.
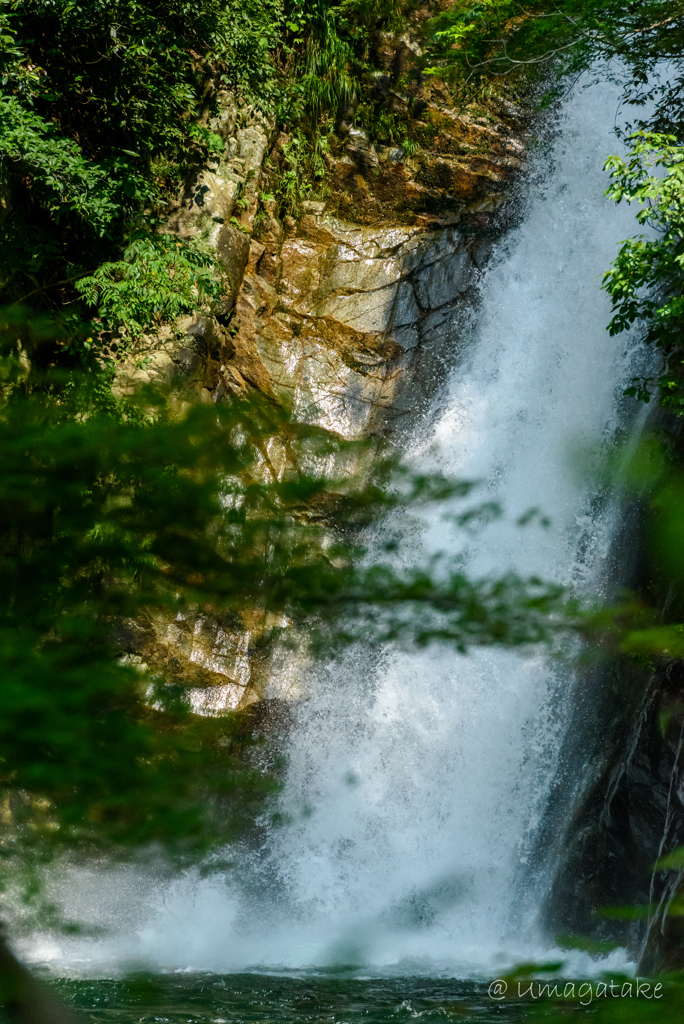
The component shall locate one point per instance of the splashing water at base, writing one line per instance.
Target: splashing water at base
(416, 789)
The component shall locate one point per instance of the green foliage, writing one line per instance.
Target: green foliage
(325, 47)
(462, 35)
(321, 60)
(646, 281)
(105, 106)
(64, 181)
(134, 80)
(102, 108)
(214, 143)
(482, 42)
(379, 123)
(314, 65)
(648, 626)
(293, 184)
(249, 31)
(324, 79)
(85, 538)
(158, 279)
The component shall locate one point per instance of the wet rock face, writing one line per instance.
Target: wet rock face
(630, 815)
(347, 316)
(333, 312)
(218, 660)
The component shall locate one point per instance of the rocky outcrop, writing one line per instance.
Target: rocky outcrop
(626, 742)
(465, 160)
(348, 315)
(203, 653)
(219, 202)
(631, 814)
(346, 310)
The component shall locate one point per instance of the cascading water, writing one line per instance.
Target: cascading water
(415, 789)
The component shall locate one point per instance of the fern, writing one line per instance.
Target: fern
(158, 279)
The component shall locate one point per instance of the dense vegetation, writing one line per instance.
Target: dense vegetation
(110, 511)
(104, 109)
(100, 114)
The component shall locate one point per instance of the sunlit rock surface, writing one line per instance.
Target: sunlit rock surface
(348, 314)
(351, 308)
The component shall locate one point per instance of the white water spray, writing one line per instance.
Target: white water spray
(416, 790)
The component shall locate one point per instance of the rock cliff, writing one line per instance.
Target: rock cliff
(627, 741)
(345, 310)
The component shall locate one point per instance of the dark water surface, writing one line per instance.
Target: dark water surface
(243, 998)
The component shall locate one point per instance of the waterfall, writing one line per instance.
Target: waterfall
(416, 786)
